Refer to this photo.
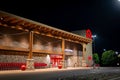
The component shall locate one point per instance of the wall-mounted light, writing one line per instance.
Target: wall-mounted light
(68, 50)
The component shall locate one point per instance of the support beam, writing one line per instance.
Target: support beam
(84, 55)
(30, 61)
(30, 45)
(84, 50)
(63, 52)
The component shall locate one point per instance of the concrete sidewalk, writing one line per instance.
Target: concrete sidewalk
(42, 70)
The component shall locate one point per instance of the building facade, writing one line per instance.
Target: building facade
(23, 41)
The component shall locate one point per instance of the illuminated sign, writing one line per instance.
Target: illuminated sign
(89, 58)
(68, 50)
(88, 33)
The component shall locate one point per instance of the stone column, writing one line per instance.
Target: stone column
(84, 51)
(30, 64)
(30, 61)
(84, 55)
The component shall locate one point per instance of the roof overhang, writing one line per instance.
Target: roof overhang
(13, 21)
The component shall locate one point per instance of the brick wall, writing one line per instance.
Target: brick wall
(20, 57)
(12, 56)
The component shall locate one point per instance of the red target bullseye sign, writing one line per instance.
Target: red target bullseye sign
(88, 33)
(89, 57)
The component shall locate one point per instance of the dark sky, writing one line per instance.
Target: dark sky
(101, 16)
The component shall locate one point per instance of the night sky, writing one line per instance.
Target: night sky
(101, 16)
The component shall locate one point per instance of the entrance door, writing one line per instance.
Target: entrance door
(55, 60)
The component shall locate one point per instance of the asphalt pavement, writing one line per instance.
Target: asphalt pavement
(55, 73)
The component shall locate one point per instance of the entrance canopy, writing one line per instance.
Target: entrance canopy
(13, 21)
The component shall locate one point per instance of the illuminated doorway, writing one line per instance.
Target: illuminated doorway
(55, 60)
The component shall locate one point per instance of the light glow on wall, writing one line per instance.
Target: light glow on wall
(48, 59)
(68, 50)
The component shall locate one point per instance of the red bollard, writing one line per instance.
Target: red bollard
(23, 67)
(59, 66)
